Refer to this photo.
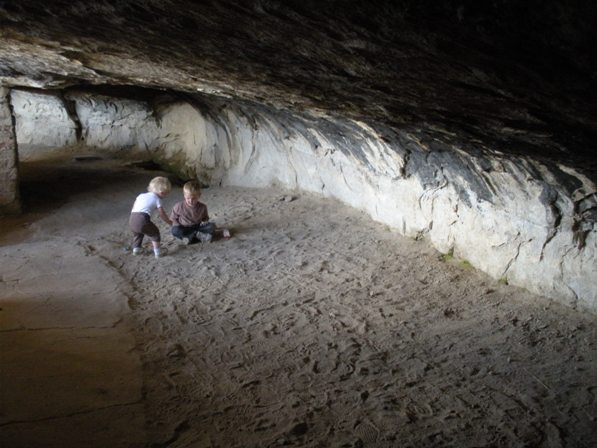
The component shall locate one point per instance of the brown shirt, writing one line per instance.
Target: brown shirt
(185, 215)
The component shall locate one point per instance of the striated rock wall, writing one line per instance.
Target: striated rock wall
(520, 220)
(44, 122)
(9, 176)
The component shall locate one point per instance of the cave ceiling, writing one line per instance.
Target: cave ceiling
(510, 77)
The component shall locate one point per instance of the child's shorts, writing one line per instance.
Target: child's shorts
(140, 223)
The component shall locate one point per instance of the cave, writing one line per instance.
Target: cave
(410, 188)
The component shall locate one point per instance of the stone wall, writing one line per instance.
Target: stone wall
(9, 191)
(43, 123)
(518, 220)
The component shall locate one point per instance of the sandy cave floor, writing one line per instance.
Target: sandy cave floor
(313, 326)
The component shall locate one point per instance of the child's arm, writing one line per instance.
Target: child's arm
(164, 216)
(174, 216)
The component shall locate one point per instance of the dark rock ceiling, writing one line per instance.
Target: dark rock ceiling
(506, 76)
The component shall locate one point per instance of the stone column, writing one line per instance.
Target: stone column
(9, 177)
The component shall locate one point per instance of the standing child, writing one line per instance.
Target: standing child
(140, 220)
(189, 217)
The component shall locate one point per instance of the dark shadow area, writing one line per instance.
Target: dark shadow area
(64, 381)
(508, 76)
(46, 185)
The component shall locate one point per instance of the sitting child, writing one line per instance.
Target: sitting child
(189, 217)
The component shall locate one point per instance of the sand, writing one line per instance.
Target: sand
(312, 326)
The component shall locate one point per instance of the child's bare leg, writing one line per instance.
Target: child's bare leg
(156, 249)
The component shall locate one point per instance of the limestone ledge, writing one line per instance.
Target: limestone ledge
(518, 220)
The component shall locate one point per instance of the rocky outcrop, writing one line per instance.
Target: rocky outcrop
(522, 221)
(9, 176)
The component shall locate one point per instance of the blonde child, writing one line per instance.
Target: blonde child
(190, 218)
(140, 220)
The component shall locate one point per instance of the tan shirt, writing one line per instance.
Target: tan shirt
(185, 215)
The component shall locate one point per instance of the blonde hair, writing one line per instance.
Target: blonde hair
(159, 185)
(192, 187)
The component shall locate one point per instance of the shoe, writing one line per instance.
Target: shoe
(137, 251)
(162, 251)
(204, 237)
(192, 239)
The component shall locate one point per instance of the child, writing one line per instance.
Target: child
(140, 220)
(190, 218)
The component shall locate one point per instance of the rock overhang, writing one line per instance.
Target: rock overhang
(503, 77)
